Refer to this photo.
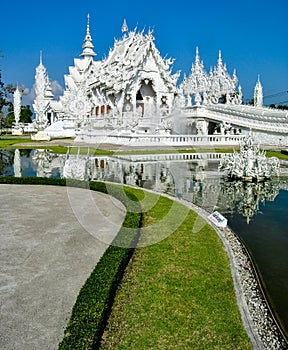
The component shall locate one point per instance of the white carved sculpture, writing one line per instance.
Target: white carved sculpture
(17, 127)
(250, 164)
(17, 105)
(40, 101)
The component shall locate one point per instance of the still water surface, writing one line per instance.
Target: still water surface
(257, 213)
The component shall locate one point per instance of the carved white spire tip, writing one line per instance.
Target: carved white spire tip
(124, 27)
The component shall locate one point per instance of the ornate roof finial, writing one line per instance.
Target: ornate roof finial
(124, 27)
(220, 59)
(150, 33)
(41, 57)
(197, 58)
(87, 45)
(258, 94)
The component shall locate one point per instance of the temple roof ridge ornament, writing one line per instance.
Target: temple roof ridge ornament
(213, 87)
(88, 45)
(150, 34)
(40, 60)
(124, 27)
(197, 58)
(197, 82)
(220, 63)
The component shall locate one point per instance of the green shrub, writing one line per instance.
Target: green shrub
(284, 151)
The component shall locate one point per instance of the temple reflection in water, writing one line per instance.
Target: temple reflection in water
(190, 176)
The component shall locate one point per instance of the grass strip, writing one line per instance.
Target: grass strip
(278, 154)
(178, 293)
(14, 141)
(10, 141)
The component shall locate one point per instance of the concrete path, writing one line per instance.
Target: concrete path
(45, 258)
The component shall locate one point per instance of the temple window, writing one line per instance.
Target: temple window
(139, 96)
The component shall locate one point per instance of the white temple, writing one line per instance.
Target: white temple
(132, 97)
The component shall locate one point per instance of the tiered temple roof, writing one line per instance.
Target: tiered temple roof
(133, 53)
(219, 84)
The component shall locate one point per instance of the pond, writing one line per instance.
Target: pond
(255, 211)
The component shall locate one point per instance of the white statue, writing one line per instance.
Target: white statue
(39, 104)
(17, 105)
(250, 163)
(17, 128)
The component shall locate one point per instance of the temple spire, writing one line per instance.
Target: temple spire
(258, 94)
(197, 59)
(124, 27)
(87, 45)
(220, 63)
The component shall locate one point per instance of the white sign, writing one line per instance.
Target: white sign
(218, 219)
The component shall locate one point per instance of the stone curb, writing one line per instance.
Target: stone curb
(258, 320)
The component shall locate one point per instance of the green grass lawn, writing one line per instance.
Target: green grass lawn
(178, 293)
(9, 141)
(277, 154)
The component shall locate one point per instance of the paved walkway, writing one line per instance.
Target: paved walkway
(45, 258)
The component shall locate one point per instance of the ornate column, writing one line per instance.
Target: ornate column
(201, 126)
(40, 102)
(17, 129)
(17, 105)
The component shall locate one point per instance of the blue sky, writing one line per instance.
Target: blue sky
(252, 36)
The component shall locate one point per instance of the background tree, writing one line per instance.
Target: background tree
(2, 93)
(25, 115)
(283, 107)
(10, 118)
(2, 100)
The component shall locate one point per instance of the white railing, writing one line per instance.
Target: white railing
(262, 119)
(247, 117)
(174, 157)
(162, 140)
(179, 139)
